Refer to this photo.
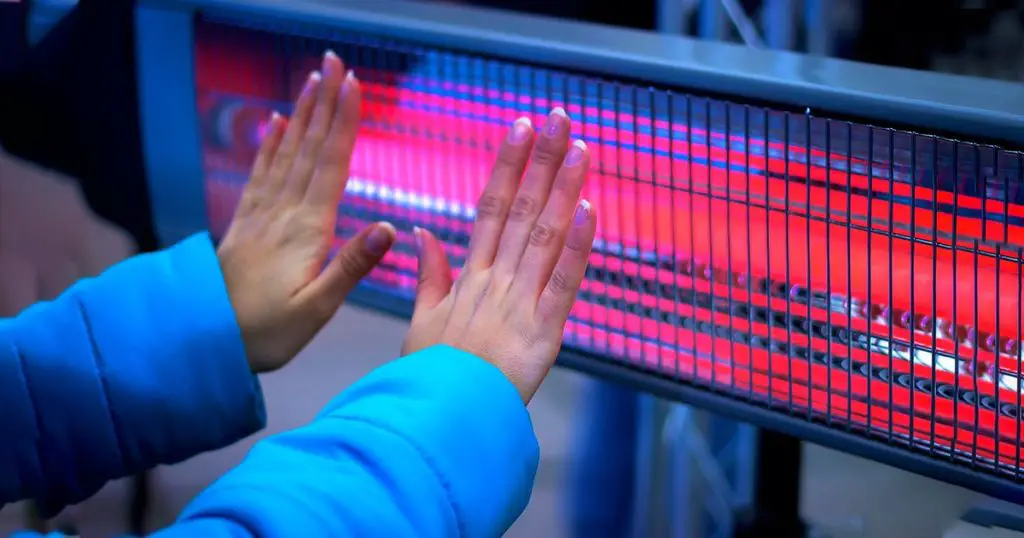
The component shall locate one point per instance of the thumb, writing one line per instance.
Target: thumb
(435, 273)
(354, 260)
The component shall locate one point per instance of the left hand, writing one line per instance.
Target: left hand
(273, 253)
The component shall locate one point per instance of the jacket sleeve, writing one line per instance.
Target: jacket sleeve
(433, 445)
(141, 366)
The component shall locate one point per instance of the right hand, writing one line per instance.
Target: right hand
(527, 258)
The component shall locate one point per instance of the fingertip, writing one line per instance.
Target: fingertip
(584, 213)
(350, 86)
(380, 238)
(521, 130)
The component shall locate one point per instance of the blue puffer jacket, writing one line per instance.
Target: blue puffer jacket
(145, 365)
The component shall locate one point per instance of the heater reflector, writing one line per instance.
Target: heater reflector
(861, 277)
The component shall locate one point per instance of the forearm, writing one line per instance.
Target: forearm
(143, 365)
(433, 445)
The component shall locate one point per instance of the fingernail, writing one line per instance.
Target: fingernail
(350, 80)
(520, 130)
(379, 239)
(417, 235)
(312, 81)
(328, 64)
(582, 213)
(555, 121)
(576, 152)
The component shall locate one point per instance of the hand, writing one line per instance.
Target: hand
(274, 251)
(527, 258)
(49, 238)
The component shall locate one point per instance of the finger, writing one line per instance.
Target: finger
(435, 273)
(334, 161)
(268, 147)
(548, 154)
(493, 206)
(560, 292)
(356, 258)
(288, 148)
(549, 233)
(256, 189)
(319, 127)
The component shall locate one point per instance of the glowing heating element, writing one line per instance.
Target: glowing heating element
(863, 277)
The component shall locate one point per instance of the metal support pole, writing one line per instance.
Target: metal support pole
(820, 32)
(712, 22)
(774, 508)
(777, 21)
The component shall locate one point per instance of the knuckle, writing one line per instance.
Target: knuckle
(509, 161)
(522, 208)
(576, 246)
(490, 206)
(542, 235)
(547, 154)
(353, 265)
(560, 283)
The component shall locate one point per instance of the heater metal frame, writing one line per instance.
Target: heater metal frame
(942, 104)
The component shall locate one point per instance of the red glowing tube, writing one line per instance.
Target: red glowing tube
(797, 276)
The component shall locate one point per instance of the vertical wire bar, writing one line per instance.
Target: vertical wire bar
(869, 312)
(1019, 349)
(935, 288)
(400, 173)
(996, 370)
(768, 258)
(913, 278)
(953, 323)
(366, 55)
(1020, 344)
(607, 212)
(975, 342)
(728, 249)
(620, 216)
(789, 261)
(433, 105)
(889, 304)
(810, 291)
(658, 317)
(709, 268)
(676, 325)
(429, 167)
(749, 277)
(585, 327)
(848, 301)
(828, 272)
(693, 235)
(483, 146)
(641, 312)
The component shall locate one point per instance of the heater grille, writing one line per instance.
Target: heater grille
(862, 277)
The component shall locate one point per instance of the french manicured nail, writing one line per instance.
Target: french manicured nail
(417, 235)
(582, 213)
(349, 83)
(555, 121)
(313, 81)
(576, 153)
(379, 240)
(521, 130)
(329, 62)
